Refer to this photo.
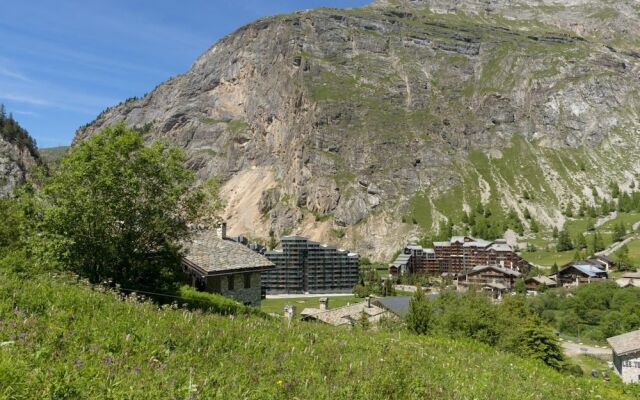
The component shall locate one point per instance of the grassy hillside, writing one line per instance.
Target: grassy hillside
(60, 339)
(53, 155)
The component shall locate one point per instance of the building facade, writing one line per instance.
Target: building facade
(457, 256)
(579, 272)
(304, 266)
(217, 265)
(626, 356)
(490, 278)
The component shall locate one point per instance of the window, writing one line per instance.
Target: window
(230, 282)
(247, 281)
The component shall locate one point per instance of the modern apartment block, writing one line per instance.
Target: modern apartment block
(458, 255)
(303, 266)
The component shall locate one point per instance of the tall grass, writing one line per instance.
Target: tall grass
(60, 339)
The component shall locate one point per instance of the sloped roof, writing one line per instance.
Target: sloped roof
(543, 280)
(214, 255)
(506, 271)
(631, 275)
(344, 315)
(626, 343)
(398, 305)
(587, 269)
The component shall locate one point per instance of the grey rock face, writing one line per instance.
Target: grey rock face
(358, 110)
(15, 163)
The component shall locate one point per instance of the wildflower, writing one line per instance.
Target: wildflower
(108, 360)
(279, 382)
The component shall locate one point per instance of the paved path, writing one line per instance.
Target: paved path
(615, 246)
(572, 349)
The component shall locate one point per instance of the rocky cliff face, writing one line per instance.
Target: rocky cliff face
(339, 124)
(15, 162)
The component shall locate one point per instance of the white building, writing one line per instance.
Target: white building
(626, 356)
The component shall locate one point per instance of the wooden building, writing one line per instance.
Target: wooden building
(537, 283)
(457, 256)
(493, 278)
(579, 272)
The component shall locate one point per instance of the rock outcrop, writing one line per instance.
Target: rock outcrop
(357, 114)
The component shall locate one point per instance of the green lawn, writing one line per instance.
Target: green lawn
(547, 258)
(277, 305)
(634, 251)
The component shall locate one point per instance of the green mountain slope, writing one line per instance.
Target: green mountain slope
(350, 121)
(60, 339)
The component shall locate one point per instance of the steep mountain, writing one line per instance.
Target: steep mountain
(370, 126)
(18, 153)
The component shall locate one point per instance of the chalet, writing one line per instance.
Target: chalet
(626, 355)
(578, 272)
(457, 256)
(218, 265)
(492, 278)
(602, 261)
(629, 279)
(536, 283)
(346, 316)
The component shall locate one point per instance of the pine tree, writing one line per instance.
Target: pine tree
(597, 243)
(419, 316)
(564, 241)
(619, 232)
(581, 241)
(569, 210)
(554, 233)
(554, 268)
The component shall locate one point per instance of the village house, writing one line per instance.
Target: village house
(537, 283)
(346, 316)
(578, 272)
(629, 279)
(218, 265)
(457, 256)
(492, 278)
(626, 355)
(601, 261)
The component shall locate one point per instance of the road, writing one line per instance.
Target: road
(574, 349)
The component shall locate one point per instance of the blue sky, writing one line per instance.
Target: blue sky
(63, 61)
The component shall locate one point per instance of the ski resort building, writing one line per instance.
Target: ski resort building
(303, 266)
(458, 255)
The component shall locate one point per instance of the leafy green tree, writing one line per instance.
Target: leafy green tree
(535, 340)
(519, 286)
(118, 210)
(420, 314)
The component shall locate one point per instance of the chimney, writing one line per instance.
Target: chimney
(368, 301)
(324, 303)
(221, 230)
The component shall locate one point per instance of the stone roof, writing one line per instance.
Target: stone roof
(543, 280)
(625, 343)
(631, 275)
(345, 315)
(214, 255)
(506, 271)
